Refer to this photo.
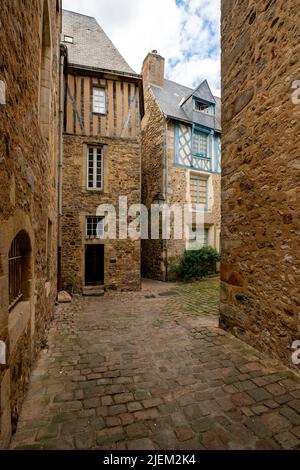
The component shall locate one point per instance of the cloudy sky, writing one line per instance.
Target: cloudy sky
(185, 32)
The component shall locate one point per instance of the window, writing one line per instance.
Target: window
(69, 39)
(99, 101)
(94, 227)
(94, 169)
(203, 107)
(19, 269)
(202, 236)
(199, 190)
(200, 144)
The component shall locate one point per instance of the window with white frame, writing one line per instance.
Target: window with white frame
(94, 227)
(200, 144)
(94, 169)
(99, 101)
(200, 236)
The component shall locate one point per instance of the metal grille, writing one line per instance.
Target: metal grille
(15, 274)
(94, 227)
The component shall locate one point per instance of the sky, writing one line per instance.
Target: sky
(185, 32)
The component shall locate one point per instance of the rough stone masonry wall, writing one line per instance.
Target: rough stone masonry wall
(27, 192)
(153, 156)
(122, 177)
(261, 172)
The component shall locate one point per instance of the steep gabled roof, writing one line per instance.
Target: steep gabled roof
(172, 96)
(91, 47)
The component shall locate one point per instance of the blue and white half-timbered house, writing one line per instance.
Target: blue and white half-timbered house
(181, 158)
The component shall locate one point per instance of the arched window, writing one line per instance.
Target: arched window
(19, 269)
(45, 73)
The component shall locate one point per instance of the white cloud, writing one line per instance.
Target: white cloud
(185, 32)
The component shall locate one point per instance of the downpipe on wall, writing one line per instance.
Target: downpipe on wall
(63, 59)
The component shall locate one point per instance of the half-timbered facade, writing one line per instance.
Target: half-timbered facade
(181, 161)
(101, 157)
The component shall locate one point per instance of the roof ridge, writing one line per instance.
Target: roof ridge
(79, 14)
(179, 84)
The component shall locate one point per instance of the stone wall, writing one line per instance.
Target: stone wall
(153, 165)
(122, 177)
(260, 183)
(28, 168)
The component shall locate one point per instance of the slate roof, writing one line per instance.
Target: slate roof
(91, 48)
(172, 95)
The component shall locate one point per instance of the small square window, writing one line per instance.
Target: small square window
(69, 39)
(94, 227)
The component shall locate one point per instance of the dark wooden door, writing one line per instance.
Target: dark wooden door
(94, 265)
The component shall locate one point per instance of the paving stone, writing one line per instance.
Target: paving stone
(137, 430)
(110, 435)
(123, 398)
(287, 440)
(259, 409)
(47, 432)
(152, 402)
(242, 399)
(84, 441)
(295, 404)
(184, 433)
(141, 444)
(134, 406)
(112, 421)
(276, 389)
(117, 410)
(215, 439)
(259, 394)
(296, 431)
(107, 401)
(91, 403)
(146, 414)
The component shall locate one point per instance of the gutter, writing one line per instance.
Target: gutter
(63, 60)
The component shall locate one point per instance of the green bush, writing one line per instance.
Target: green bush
(194, 264)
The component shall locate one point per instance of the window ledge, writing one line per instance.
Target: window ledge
(18, 320)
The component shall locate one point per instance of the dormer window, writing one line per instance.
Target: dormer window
(69, 39)
(203, 107)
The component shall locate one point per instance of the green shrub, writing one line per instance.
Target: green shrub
(194, 264)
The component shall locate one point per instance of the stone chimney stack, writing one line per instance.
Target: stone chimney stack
(153, 70)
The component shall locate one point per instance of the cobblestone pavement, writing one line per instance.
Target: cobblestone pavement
(151, 370)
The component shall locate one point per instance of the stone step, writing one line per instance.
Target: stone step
(93, 291)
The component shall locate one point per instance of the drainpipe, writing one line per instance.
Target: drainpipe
(165, 194)
(63, 58)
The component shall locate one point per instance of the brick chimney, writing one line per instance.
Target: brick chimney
(153, 70)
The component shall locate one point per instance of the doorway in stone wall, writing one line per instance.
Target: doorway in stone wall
(94, 265)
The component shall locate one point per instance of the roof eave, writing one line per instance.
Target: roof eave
(93, 71)
(187, 121)
(87, 68)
